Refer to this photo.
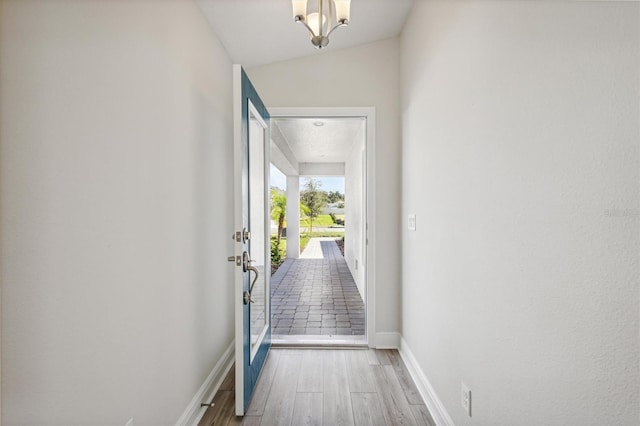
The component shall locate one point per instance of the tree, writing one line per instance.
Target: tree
(314, 199)
(278, 209)
(335, 196)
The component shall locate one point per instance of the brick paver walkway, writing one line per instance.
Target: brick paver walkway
(316, 294)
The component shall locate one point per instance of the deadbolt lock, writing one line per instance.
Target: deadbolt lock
(241, 237)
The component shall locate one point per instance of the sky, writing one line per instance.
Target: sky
(333, 183)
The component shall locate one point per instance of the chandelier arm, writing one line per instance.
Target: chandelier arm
(338, 25)
(308, 28)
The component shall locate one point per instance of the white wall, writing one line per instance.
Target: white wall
(521, 161)
(115, 136)
(362, 76)
(354, 213)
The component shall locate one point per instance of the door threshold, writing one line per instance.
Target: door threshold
(318, 341)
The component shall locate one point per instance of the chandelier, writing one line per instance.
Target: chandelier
(320, 28)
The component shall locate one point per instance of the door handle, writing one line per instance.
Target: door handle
(247, 267)
(246, 296)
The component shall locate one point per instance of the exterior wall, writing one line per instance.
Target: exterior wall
(363, 76)
(293, 213)
(115, 146)
(521, 162)
(354, 206)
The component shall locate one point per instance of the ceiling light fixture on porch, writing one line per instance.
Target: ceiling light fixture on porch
(319, 27)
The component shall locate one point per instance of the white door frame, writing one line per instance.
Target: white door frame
(370, 114)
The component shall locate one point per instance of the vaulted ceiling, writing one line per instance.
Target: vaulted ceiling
(258, 32)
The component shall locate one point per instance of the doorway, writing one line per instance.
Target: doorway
(323, 292)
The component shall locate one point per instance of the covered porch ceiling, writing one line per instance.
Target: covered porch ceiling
(315, 146)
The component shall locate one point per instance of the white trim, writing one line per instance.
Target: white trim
(194, 412)
(238, 160)
(433, 403)
(387, 340)
(266, 148)
(370, 214)
(331, 341)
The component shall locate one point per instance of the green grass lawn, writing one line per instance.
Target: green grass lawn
(324, 220)
(304, 240)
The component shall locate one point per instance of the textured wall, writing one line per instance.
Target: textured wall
(521, 161)
(115, 141)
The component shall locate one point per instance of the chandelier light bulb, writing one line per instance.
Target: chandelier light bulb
(313, 21)
(299, 9)
(343, 10)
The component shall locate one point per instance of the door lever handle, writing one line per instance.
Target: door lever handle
(246, 296)
(246, 266)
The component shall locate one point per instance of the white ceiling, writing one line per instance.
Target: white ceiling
(331, 143)
(258, 32)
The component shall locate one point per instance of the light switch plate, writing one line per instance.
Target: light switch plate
(412, 222)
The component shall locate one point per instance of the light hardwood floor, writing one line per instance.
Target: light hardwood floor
(326, 387)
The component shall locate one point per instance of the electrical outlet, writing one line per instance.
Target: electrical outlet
(412, 222)
(466, 399)
(356, 263)
(130, 422)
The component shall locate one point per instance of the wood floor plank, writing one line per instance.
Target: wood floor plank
(292, 352)
(216, 415)
(372, 358)
(407, 383)
(229, 417)
(251, 420)
(307, 409)
(422, 415)
(341, 372)
(310, 379)
(229, 382)
(261, 392)
(367, 409)
(279, 407)
(359, 371)
(336, 404)
(383, 356)
(396, 409)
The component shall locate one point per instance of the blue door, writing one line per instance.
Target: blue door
(251, 237)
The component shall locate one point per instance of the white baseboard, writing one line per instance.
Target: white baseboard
(194, 412)
(387, 340)
(435, 406)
